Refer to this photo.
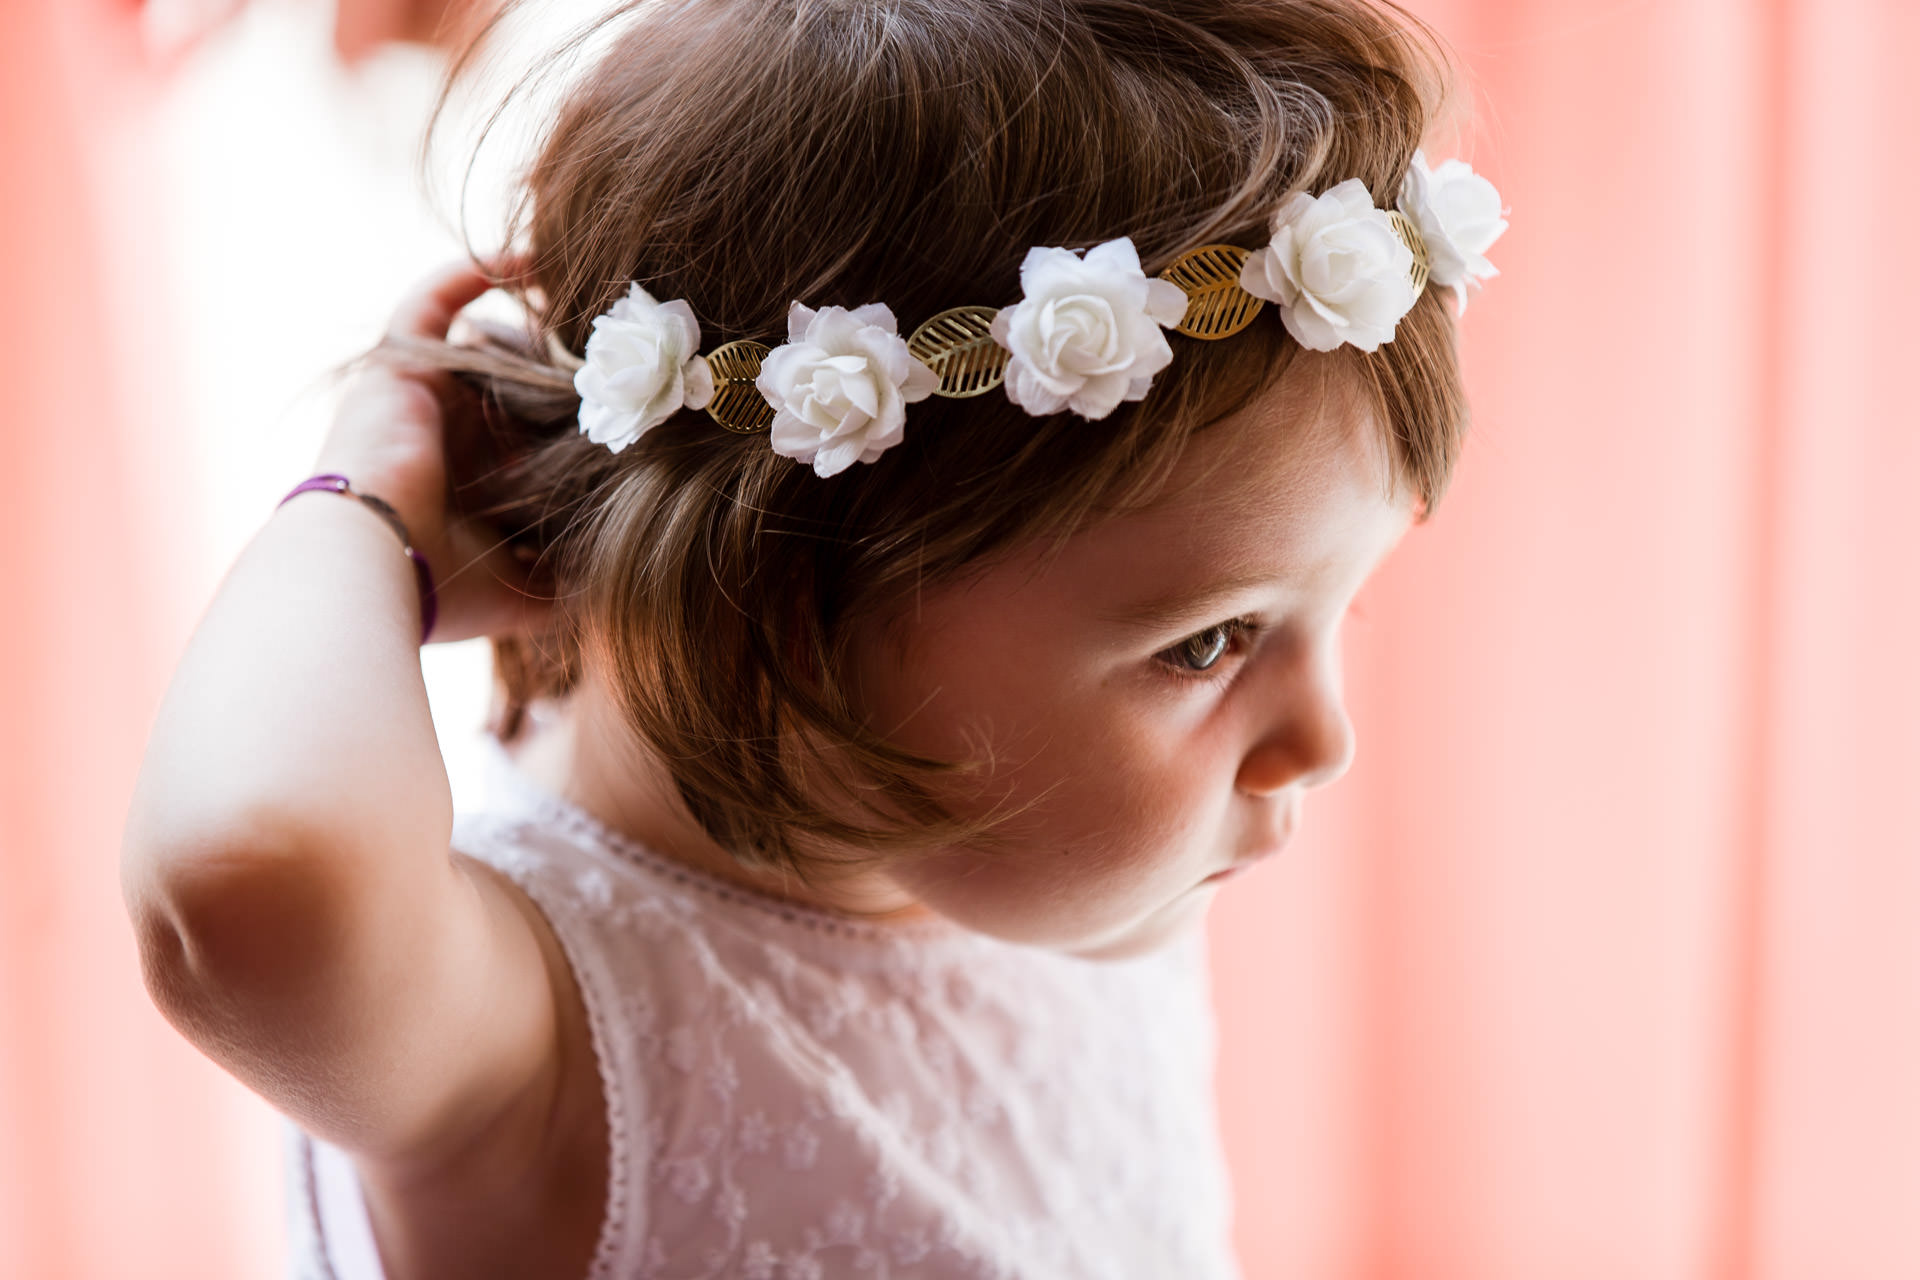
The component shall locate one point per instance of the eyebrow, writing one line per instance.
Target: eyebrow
(1197, 605)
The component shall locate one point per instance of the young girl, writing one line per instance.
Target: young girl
(915, 527)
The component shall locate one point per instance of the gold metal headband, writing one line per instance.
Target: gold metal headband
(959, 350)
(957, 345)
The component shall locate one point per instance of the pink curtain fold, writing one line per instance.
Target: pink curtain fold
(1601, 964)
(122, 1151)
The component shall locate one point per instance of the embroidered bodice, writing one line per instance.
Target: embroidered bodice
(793, 1095)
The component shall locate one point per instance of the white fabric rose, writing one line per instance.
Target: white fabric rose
(642, 366)
(840, 386)
(1085, 334)
(1337, 269)
(1459, 215)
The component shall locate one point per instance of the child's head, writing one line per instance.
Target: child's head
(968, 651)
(1157, 692)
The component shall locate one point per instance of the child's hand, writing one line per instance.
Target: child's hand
(389, 439)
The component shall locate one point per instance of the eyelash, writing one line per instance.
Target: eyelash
(1236, 632)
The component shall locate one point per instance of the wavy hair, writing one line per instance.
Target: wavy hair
(742, 154)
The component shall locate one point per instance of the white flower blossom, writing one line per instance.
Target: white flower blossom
(730, 1206)
(1459, 216)
(759, 1261)
(755, 1132)
(689, 1178)
(1085, 334)
(802, 1147)
(1337, 269)
(642, 366)
(840, 385)
(845, 1224)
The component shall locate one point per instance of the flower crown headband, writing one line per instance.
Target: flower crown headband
(1085, 336)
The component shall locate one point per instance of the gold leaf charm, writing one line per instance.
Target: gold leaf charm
(1217, 307)
(1409, 234)
(958, 345)
(737, 404)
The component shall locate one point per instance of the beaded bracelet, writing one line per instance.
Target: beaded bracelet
(422, 575)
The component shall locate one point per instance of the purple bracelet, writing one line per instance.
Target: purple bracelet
(422, 575)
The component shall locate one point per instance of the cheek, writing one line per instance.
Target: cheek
(1118, 793)
(1076, 769)
(1115, 794)
(1106, 832)
(1106, 765)
(995, 703)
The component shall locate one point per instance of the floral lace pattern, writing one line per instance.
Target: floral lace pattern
(794, 1096)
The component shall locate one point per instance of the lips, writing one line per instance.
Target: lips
(1271, 849)
(1242, 865)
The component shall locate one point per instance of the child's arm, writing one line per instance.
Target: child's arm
(286, 858)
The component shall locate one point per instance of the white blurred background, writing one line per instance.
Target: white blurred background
(297, 211)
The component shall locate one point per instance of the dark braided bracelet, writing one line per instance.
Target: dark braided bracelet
(422, 575)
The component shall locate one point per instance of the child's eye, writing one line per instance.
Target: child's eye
(1201, 650)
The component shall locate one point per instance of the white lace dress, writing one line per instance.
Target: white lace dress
(794, 1096)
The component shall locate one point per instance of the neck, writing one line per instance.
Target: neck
(581, 750)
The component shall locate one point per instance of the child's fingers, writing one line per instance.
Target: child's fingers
(428, 311)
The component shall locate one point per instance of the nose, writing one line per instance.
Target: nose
(1304, 737)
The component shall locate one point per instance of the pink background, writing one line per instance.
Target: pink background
(1604, 960)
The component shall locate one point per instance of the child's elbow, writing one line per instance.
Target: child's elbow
(220, 925)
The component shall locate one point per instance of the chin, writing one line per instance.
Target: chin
(1149, 935)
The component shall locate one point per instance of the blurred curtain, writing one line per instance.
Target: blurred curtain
(1602, 963)
(120, 1153)
(123, 1152)
(1605, 960)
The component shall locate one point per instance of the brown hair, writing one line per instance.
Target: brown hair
(743, 154)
